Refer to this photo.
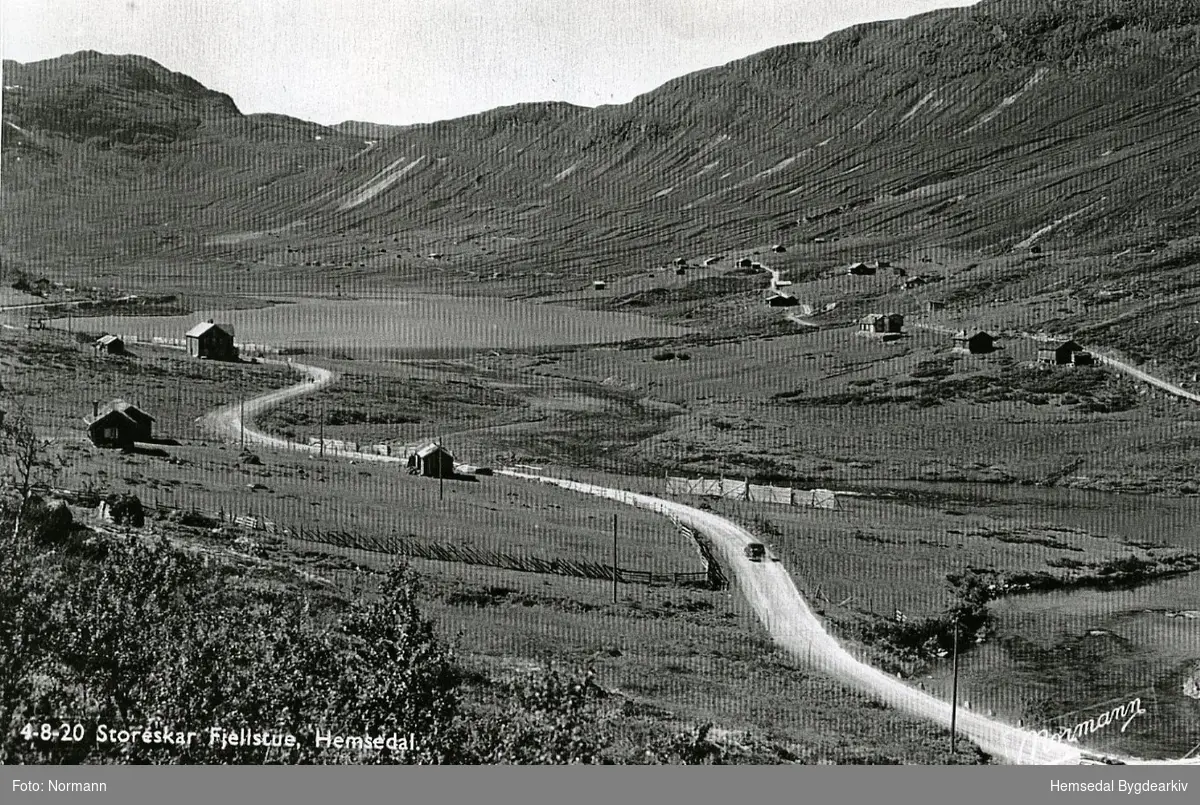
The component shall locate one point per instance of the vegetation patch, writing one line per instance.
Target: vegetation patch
(936, 382)
(903, 643)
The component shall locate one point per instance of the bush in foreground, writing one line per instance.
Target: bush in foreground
(147, 635)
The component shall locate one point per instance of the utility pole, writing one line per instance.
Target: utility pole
(954, 694)
(321, 430)
(615, 573)
(242, 420)
(441, 480)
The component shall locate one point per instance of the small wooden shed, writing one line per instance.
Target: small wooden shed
(881, 323)
(1082, 358)
(978, 343)
(432, 461)
(118, 424)
(211, 340)
(109, 345)
(1057, 353)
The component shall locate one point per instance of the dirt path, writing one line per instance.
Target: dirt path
(803, 322)
(228, 422)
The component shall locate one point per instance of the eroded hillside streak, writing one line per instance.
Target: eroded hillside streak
(380, 182)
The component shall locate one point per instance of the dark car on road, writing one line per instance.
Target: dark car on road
(755, 551)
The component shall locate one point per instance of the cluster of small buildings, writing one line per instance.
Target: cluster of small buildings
(881, 324)
(122, 424)
(206, 340)
(869, 269)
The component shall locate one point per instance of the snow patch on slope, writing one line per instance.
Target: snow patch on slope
(562, 174)
(379, 182)
(1037, 76)
(917, 108)
(1045, 230)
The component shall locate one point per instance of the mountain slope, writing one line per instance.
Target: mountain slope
(125, 99)
(992, 127)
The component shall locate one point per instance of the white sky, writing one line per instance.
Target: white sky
(408, 61)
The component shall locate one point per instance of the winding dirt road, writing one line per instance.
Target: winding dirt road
(767, 586)
(788, 618)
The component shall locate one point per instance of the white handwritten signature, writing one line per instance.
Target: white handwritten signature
(1123, 715)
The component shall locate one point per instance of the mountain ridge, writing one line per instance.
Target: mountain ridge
(966, 128)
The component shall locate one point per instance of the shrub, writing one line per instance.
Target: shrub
(125, 509)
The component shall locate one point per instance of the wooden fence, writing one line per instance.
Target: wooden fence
(744, 490)
(396, 545)
(711, 577)
(466, 554)
(714, 576)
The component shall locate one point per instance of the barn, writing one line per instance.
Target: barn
(881, 323)
(118, 424)
(873, 323)
(212, 341)
(935, 305)
(432, 461)
(978, 343)
(109, 345)
(599, 285)
(779, 299)
(1057, 353)
(861, 269)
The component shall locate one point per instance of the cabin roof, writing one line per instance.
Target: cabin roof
(125, 409)
(204, 326)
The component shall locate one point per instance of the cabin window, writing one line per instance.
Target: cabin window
(111, 433)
